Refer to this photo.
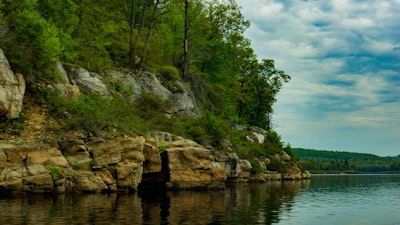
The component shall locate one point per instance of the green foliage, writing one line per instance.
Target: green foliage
(93, 163)
(169, 72)
(260, 87)
(150, 105)
(277, 165)
(161, 148)
(214, 128)
(125, 90)
(322, 161)
(288, 149)
(95, 114)
(229, 82)
(1, 6)
(255, 167)
(32, 43)
(13, 126)
(55, 172)
(197, 133)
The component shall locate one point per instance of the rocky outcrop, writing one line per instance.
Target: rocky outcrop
(132, 87)
(30, 168)
(237, 169)
(190, 165)
(179, 96)
(152, 86)
(81, 163)
(125, 84)
(88, 81)
(289, 170)
(12, 90)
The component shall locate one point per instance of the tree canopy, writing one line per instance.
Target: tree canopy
(203, 40)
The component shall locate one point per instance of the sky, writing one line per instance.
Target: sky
(344, 60)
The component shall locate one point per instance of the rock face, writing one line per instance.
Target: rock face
(12, 90)
(29, 168)
(125, 83)
(91, 82)
(237, 169)
(180, 99)
(87, 164)
(83, 165)
(190, 165)
(152, 86)
(79, 163)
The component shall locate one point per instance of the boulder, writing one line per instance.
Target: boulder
(256, 138)
(129, 175)
(80, 160)
(105, 153)
(28, 168)
(265, 177)
(84, 181)
(12, 90)
(152, 86)
(42, 183)
(237, 169)
(190, 166)
(126, 84)
(258, 130)
(34, 155)
(131, 149)
(129, 169)
(187, 155)
(183, 102)
(65, 90)
(105, 175)
(90, 82)
(152, 163)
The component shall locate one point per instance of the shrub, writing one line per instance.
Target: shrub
(32, 43)
(55, 172)
(277, 165)
(169, 72)
(13, 126)
(255, 167)
(214, 128)
(95, 114)
(197, 133)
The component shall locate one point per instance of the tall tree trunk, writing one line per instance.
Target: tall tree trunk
(153, 19)
(144, 12)
(186, 74)
(132, 37)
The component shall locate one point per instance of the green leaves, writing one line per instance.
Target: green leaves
(32, 43)
(259, 85)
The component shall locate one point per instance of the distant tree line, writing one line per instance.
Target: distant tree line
(322, 161)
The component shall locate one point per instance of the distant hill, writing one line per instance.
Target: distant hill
(324, 161)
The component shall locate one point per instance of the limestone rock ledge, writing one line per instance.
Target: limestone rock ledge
(78, 163)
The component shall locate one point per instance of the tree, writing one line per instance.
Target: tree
(186, 74)
(261, 87)
(32, 43)
(1, 6)
(149, 31)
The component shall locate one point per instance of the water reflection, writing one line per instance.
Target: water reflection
(238, 204)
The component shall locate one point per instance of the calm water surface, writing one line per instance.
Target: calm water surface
(333, 199)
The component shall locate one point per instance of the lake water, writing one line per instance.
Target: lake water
(329, 199)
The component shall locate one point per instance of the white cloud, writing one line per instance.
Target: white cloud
(343, 58)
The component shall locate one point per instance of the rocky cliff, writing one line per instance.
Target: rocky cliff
(12, 90)
(78, 161)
